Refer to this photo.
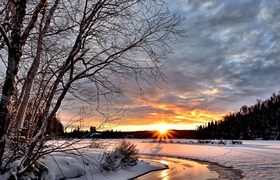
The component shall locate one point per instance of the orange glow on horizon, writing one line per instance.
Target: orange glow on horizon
(162, 128)
(156, 116)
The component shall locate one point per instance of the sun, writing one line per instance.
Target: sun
(162, 128)
(162, 131)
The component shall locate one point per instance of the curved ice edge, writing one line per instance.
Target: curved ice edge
(166, 167)
(210, 164)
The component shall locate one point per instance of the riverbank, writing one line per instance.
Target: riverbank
(153, 167)
(224, 172)
(71, 167)
(182, 168)
(256, 160)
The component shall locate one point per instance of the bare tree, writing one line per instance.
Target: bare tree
(64, 43)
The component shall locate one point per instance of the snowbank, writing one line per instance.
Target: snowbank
(77, 167)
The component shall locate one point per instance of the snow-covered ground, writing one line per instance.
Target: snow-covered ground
(73, 168)
(84, 164)
(258, 160)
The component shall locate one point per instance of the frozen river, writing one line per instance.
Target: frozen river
(254, 160)
(178, 169)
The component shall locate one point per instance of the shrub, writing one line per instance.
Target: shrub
(123, 155)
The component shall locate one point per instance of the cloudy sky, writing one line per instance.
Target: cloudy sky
(230, 58)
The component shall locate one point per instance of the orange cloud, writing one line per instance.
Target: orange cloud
(170, 114)
(176, 110)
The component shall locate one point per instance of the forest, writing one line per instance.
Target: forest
(259, 121)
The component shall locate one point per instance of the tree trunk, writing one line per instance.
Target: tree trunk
(14, 53)
(43, 128)
(35, 66)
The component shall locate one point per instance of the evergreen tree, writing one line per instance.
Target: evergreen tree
(261, 120)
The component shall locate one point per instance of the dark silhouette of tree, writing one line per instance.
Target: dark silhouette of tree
(92, 129)
(259, 121)
(55, 127)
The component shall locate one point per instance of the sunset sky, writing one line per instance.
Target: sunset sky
(230, 58)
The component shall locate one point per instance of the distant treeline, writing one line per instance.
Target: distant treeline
(259, 121)
(110, 134)
(54, 127)
(92, 133)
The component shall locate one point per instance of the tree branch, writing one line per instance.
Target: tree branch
(5, 36)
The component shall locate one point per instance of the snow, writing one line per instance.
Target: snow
(141, 168)
(257, 159)
(76, 167)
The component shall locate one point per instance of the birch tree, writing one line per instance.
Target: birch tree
(54, 46)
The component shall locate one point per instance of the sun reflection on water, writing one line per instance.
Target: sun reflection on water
(164, 162)
(180, 169)
(164, 175)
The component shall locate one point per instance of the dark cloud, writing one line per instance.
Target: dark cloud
(231, 45)
(230, 58)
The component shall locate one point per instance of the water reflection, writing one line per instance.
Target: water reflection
(179, 169)
(164, 174)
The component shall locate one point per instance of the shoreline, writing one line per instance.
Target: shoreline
(166, 167)
(223, 171)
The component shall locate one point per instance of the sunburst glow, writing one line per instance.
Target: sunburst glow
(162, 128)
